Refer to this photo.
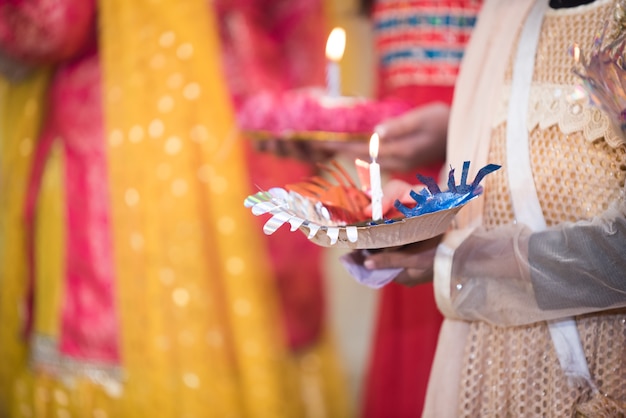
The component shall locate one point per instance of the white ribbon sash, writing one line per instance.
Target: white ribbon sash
(523, 191)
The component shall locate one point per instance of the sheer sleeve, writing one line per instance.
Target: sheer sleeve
(511, 276)
(44, 31)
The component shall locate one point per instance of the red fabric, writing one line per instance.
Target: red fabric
(63, 33)
(263, 51)
(45, 31)
(272, 45)
(296, 262)
(89, 318)
(404, 346)
(408, 321)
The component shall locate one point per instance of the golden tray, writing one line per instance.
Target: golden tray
(307, 136)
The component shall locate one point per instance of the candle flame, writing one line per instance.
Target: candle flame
(374, 142)
(336, 44)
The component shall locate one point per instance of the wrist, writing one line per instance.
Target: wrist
(443, 270)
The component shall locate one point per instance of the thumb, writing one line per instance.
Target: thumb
(399, 126)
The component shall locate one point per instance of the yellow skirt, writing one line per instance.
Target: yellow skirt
(200, 332)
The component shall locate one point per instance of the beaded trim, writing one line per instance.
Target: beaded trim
(561, 105)
(45, 356)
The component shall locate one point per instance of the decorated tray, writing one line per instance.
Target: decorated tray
(431, 215)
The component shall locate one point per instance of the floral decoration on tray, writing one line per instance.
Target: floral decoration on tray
(311, 114)
(331, 213)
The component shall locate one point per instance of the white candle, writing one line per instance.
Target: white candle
(335, 46)
(375, 182)
(333, 79)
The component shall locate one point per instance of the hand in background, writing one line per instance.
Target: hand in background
(413, 139)
(301, 150)
(416, 259)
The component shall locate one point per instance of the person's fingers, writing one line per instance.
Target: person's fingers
(418, 255)
(284, 148)
(296, 149)
(397, 163)
(413, 277)
(406, 153)
(391, 259)
(316, 151)
(301, 150)
(433, 117)
(417, 268)
(260, 146)
(350, 149)
(400, 125)
(270, 146)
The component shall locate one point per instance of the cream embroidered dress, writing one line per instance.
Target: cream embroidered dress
(578, 165)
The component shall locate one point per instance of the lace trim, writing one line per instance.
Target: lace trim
(45, 355)
(565, 107)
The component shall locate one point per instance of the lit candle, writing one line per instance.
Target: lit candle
(335, 46)
(375, 183)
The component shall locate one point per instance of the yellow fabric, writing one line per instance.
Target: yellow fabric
(200, 330)
(50, 258)
(197, 306)
(20, 115)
